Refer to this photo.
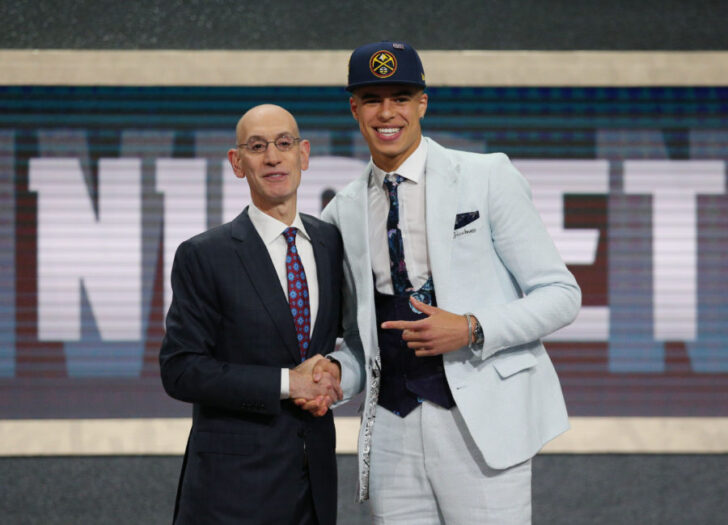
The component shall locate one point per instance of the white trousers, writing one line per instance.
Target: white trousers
(426, 469)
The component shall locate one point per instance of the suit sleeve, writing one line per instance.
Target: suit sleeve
(189, 369)
(351, 353)
(550, 295)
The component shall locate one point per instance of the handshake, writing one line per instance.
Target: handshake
(315, 384)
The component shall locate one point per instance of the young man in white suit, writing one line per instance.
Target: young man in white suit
(451, 281)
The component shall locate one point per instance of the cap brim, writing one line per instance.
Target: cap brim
(352, 87)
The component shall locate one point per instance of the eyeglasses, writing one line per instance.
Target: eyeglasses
(282, 143)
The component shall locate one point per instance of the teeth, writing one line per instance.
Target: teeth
(388, 131)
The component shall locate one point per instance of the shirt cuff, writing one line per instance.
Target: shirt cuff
(285, 383)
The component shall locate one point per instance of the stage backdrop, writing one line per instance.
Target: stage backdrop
(98, 186)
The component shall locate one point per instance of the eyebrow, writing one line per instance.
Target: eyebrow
(281, 134)
(404, 92)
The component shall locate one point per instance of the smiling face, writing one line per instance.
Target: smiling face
(389, 119)
(273, 176)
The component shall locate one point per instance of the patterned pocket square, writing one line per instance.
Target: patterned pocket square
(463, 219)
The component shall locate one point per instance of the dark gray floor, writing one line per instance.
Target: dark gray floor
(567, 489)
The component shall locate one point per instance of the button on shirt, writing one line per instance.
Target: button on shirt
(411, 195)
(271, 232)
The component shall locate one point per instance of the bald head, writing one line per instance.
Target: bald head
(264, 115)
(273, 171)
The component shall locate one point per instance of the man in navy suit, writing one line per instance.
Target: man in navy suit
(255, 305)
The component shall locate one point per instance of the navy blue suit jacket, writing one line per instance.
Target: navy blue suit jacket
(229, 333)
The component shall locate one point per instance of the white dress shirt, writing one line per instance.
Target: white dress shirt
(271, 231)
(411, 196)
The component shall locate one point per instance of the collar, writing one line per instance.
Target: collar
(412, 169)
(269, 228)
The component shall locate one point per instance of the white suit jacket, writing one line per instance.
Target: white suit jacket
(504, 268)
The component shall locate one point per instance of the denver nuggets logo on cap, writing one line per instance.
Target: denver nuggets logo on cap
(382, 64)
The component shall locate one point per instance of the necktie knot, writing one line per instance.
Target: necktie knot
(290, 235)
(391, 181)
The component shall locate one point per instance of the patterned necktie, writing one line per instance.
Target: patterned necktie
(297, 293)
(397, 266)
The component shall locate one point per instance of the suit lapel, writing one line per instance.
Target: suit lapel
(254, 256)
(353, 224)
(441, 200)
(354, 227)
(322, 256)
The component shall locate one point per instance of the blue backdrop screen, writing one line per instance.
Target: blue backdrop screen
(98, 186)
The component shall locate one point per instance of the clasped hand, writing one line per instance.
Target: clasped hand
(315, 385)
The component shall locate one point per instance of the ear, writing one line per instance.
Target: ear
(422, 108)
(305, 149)
(354, 106)
(236, 162)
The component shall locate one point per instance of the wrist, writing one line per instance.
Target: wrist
(337, 363)
(292, 382)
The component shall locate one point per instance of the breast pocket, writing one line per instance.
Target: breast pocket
(467, 226)
(463, 219)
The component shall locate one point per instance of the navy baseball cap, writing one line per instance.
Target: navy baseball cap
(385, 63)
